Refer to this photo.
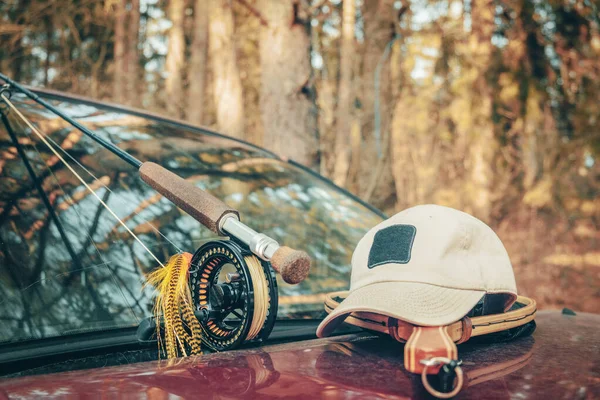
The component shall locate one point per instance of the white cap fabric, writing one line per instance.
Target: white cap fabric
(428, 265)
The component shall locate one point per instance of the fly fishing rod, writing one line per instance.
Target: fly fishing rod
(293, 265)
(249, 290)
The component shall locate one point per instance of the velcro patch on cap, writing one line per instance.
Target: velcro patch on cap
(392, 245)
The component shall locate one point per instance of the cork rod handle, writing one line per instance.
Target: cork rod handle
(202, 206)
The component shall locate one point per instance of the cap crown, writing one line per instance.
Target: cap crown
(435, 245)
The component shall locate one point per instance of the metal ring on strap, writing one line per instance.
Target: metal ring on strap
(441, 395)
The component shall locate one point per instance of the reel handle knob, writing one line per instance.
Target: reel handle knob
(293, 265)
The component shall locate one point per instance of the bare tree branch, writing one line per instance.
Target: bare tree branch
(254, 12)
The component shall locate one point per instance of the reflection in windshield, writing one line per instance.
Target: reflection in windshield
(74, 268)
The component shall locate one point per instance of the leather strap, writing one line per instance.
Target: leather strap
(426, 343)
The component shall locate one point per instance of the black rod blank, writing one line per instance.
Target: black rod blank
(125, 156)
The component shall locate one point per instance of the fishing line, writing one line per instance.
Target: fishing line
(83, 182)
(113, 274)
(261, 296)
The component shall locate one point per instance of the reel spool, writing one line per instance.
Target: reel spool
(234, 295)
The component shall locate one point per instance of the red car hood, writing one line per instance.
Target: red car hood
(560, 360)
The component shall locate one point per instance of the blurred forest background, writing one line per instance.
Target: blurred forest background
(489, 106)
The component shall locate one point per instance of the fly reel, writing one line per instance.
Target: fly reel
(234, 295)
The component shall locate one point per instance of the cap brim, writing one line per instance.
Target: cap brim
(413, 302)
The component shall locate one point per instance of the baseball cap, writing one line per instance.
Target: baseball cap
(428, 265)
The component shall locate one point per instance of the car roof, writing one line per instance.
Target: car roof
(559, 360)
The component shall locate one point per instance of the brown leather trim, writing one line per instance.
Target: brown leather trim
(399, 330)
(467, 329)
(393, 329)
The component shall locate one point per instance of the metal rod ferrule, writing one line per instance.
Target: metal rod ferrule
(258, 243)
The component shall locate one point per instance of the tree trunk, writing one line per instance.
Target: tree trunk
(247, 43)
(402, 166)
(227, 83)
(17, 52)
(95, 72)
(482, 148)
(287, 108)
(49, 31)
(197, 72)
(533, 123)
(345, 95)
(119, 56)
(326, 104)
(133, 97)
(326, 87)
(379, 27)
(175, 59)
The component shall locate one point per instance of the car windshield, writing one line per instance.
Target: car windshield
(82, 271)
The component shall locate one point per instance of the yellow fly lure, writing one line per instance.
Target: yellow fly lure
(174, 303)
